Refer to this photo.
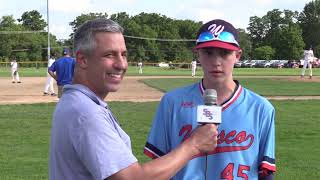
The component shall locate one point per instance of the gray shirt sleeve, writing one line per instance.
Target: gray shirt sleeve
(101, 144)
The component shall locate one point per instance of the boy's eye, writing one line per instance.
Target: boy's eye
(208, 52)
(225, 52)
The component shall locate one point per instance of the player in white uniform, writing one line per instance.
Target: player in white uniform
(193, 68)
(14, 71)
(246, 140)
(140, 67)
(308, 59)
(50, 80)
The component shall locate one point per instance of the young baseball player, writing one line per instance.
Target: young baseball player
(49, 83)
(140, 67)
(246, 139)
(308, 59)
(14, 71)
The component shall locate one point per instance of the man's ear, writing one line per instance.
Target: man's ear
(81, 60)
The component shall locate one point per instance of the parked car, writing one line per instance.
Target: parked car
(279, 64)
(163, 64)
(269, 63)
(246, 63)
(252, 63)
(292, 64)
(260, 63)
(238, 64)
(316, 63)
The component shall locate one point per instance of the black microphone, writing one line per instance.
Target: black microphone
(209, 112)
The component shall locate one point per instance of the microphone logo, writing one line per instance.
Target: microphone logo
(208, 114)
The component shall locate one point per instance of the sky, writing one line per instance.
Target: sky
(62, 12)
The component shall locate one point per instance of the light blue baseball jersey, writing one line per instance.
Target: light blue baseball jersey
(246, 140)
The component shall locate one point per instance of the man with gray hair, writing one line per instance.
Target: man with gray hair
(87, 141)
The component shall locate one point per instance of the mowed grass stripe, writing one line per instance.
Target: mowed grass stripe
(262, 86)
(157, 71)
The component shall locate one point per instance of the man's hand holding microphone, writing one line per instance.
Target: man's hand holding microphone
(204, 138)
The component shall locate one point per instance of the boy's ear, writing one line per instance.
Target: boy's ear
(238, 54)
(81, 59)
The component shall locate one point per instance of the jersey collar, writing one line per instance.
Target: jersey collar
(236, 93)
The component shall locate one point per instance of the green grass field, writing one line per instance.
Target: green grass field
(25, 134)
(156, 71)
(262, 86)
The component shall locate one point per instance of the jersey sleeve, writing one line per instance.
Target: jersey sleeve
(267, 144)
(100, 147)
(157, 142)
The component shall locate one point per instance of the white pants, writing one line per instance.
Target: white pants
(140, 70)
(305, 67)
(15, 76)
(193, 71)
(49, 84)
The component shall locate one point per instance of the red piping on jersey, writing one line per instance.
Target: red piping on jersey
(268, 166)
(231, 100)
(149, 153)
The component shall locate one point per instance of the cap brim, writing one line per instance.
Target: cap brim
(218, 44)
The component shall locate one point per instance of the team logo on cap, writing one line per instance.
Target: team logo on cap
(215, 29)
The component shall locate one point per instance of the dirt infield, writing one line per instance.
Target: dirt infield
(31, 90)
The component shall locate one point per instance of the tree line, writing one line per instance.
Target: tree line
(152, 37)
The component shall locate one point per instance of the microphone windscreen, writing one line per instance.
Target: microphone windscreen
(210, 97)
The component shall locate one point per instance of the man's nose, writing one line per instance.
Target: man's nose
(121, 62)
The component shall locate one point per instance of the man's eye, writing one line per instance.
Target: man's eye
(108, 55)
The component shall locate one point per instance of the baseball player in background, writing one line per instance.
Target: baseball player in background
(246, 139)
(49, 83)
(14, 71)
(193, 67)
(308, 59)
(140, 67)
(62, 70)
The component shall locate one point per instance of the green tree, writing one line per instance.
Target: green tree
(25, 46)
(309, 20)
(264, 52)
(7, 39)
(8, 22)
(245, 44)
(32, 20)
(284, 35)
(257, 30)
(279, 30)
(290, 43)
(316, 51)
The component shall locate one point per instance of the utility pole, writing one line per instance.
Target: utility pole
(48, 30)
